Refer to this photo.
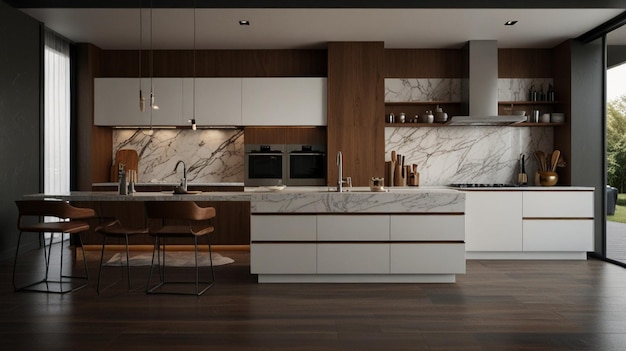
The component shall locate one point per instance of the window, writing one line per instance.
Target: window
(56, 113)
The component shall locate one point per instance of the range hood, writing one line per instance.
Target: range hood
(481, 88)
(485, 120)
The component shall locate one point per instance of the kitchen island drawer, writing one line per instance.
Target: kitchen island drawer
(352, 228)
(283, 228)
(428, 258)
(351, 258)
(427, 227)
(278, 258)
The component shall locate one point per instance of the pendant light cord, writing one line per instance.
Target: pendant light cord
(193, 116)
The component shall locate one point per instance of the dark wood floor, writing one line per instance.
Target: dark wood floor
(497, 305)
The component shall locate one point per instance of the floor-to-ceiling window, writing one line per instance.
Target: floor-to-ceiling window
(56, 113)
(616, 145)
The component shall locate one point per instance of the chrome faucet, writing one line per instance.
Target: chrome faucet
(339, 171)
(340, 180)
(183, 183)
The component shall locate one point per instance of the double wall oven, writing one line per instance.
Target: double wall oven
(292, 164)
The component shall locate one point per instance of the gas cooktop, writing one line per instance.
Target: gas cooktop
(483, 185)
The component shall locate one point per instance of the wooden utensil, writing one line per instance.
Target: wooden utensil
(393, 156)
(555, 160)
(542, 160)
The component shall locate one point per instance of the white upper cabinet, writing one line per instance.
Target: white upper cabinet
(116, 102)
(218, 101)
(284, 101)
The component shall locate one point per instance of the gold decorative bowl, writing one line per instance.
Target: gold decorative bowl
(547, 178)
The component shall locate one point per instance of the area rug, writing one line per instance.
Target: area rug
(172, 258)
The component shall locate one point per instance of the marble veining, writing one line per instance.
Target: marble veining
(468, 154)
(417, 89)
(367, 202)
(211, 155)
(517, 89)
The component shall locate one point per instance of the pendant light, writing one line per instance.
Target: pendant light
(153, 106)
(193, 109)
(142, 100)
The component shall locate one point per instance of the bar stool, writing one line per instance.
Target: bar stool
(193, 225)
(115, 229)
(69, 220)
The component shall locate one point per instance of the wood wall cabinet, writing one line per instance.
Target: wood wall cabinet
(356, 108)
(283, 101)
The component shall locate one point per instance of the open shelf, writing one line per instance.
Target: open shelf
(522, 124)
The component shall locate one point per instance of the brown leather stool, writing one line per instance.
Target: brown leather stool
(192, 219)
(68, 221)
(116, 229)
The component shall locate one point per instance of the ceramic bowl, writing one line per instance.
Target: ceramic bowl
(557, 117)
(519, 113)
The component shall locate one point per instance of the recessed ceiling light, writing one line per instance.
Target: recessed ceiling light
(509, 23)
(244, 23)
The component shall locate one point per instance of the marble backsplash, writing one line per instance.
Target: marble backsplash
(447, 155)
(450, 89)
(211, 155)
(417, 89)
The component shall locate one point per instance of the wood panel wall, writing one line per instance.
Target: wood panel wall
(423, 63)
(215, 63)
(525, 63)
(562, 86)
(356, 110)
(94, 145)
(285, 135)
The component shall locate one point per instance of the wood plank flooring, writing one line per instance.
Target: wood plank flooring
(497, 305)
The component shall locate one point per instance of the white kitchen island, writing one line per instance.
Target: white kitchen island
(406, 235)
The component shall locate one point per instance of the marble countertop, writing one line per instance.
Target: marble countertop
(422, 199)
(531, 188)
(144, 196)
(171, 184)
(357, 200)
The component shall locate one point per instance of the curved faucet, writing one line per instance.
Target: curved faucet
(339, 171)
(183, 183)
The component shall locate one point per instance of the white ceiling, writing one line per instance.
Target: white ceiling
(312, 28)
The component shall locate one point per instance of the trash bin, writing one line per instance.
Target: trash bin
(611, 200)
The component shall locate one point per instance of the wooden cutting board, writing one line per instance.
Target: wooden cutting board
(128, 157)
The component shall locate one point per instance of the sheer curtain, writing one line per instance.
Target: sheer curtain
(56, 113)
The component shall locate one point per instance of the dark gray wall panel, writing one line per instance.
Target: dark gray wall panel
(20, 67)
(588, 124)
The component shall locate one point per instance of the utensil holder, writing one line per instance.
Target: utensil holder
(522, 178)
(414, 179)
(547, 178)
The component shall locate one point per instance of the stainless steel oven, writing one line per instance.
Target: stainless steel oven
(306, 164)
(264, 164)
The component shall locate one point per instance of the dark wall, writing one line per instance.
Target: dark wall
(615, 55)
(588, 164)
(20, 104)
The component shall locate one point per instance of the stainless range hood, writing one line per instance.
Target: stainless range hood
(481, 89)
(486, 120)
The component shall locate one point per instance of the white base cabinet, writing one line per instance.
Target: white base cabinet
(357, 248)
(529, 224)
